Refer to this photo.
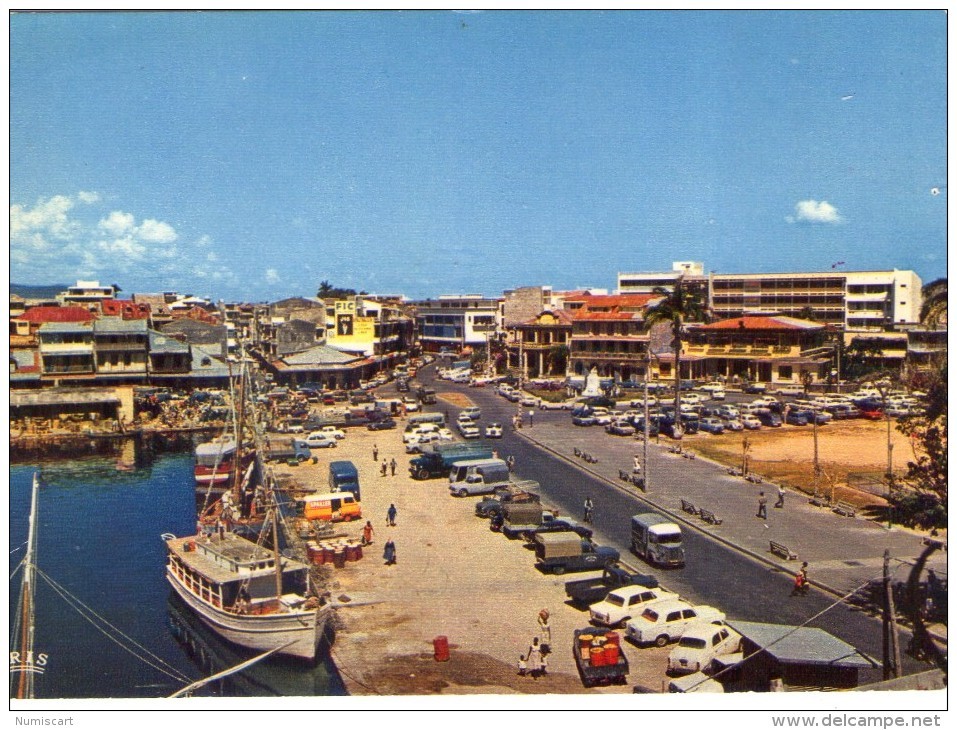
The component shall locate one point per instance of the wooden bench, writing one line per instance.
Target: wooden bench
(710, 517)
(783, 551)
(688, 507)
(846, 509)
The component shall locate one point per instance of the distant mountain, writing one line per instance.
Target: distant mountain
(37, 292)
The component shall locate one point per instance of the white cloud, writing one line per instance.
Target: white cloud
(156, 231)
(813, 211)
(47, 217)
(118, 223)
(88, 197)
(272, 276)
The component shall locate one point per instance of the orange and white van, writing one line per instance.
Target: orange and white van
(330, 507)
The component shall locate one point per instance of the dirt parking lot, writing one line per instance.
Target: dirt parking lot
(454, 578)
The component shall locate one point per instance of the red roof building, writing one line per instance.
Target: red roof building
(125, 308)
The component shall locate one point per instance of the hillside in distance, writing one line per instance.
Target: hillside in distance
(31, 291)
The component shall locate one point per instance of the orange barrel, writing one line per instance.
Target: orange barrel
(350, 552)
(339, 558)
(328, 553)
(611, 654)
(613, 638)
(584, 645)
(441, 646)
(597, 656)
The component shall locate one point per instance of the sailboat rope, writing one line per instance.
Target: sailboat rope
(86, 612)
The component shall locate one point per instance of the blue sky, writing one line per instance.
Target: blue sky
(250, 156)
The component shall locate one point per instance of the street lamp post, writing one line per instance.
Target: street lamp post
(890, 459)
(646, 419)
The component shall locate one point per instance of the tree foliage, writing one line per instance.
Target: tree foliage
(682, 304)
(328, 291)
(921, 500)
(933, 311)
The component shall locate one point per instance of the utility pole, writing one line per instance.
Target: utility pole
(892, 647)
(646, 419)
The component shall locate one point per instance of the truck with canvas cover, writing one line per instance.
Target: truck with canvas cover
(561, 552)
(438, 460)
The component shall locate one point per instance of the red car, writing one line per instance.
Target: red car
(872, 414)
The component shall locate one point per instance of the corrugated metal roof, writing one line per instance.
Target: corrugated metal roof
(160, 343)
(320, 355)
(806, 645)
(117, 325)
(39, 315)
(54, 397)
(49, 327)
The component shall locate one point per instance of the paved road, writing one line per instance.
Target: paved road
(716, 574)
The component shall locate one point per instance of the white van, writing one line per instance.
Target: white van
(478, 476)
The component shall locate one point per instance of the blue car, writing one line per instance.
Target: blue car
(711, 425)
(796, 418)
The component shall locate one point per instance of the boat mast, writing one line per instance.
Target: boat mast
(25, 687)
(275, 549)
(238, 433)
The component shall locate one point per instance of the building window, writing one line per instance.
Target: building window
(786, 372)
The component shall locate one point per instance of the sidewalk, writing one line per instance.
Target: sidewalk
(842, 552)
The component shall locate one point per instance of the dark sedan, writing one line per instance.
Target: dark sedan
(382, 425)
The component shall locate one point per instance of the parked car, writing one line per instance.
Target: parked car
(796, 418)
(699, 645)
(620, 428)
(469, 431)
(769, 419)
(667, 621)
(529, 400)
(733, 424)
(493, 431)
(728, 411)
(411, 404)
(554, 406)
(336, 433)
(872, 414)
(473, 412)
(751, 422)
(583, 420)
(623, 603)
(320, 440)
(383, 425)
(711, 425)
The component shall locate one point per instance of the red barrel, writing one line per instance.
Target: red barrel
(597, 656)
(441, 646)
(358, 552)
(351, 553)
(611, 654)
(328, 554)
(339, 558)
(613, 638)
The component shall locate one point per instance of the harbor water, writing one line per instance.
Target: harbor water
(106, 618)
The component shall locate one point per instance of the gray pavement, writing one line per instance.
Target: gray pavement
(843, 552)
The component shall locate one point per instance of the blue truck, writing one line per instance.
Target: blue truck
(437, 462)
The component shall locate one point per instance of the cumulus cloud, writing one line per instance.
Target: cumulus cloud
(88, 197)
(272, 276)
(156, 231)
(46, 218)
(813, 211)
(118, 223)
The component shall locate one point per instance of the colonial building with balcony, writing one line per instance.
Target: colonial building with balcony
(66, 351)
(122, 349)
(609, 335)
(540, 345)
(454, 322)
(776, 350)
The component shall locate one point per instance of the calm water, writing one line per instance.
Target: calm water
(99, 539)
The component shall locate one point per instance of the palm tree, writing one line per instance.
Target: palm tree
(934, 309)
(676, 307)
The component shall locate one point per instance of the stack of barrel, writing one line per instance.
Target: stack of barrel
(599, 650)
(334, 552)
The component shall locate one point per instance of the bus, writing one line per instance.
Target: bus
(420, 419)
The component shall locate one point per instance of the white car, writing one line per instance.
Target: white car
(333, 432)
(692, 398)
(493, 431)
(623, 603)
(416, 432)
(529, 400)
(469, 431)
(411, 404)
(445, 434)
(554, 406)
(667, 621)
(473, 413)
(733, 424)
(751, 422)
(320, 440)
(699, 645)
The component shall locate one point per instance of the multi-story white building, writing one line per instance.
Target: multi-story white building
(86, 292)
(852, 300)
(456, 321)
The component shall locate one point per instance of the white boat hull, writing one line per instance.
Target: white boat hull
(298, 632)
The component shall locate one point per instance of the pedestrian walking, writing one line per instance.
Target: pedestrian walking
(544, 631)
(801, 585)
(392, 465)
(389, 552)
(375, 453)
(390, 515)
(522, 665)
(762, 506)
(534, 658)
(636, 469)
(510, 461)
(531, 418)
(367, 533)
(384, 469)
(780, 503)
(589, 510)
